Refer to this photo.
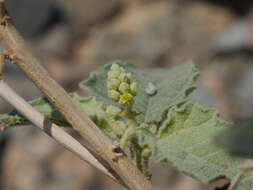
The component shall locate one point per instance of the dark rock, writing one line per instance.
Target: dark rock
(239, 8)
(234, 40)
(34, 17)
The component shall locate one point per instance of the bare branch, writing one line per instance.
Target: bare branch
(1, 64)
(2, 9)
(48, 127)
(101, 144)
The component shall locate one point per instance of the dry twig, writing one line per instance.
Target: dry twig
(101, 144)
(48, 127)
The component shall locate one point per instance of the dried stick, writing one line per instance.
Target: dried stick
(101, 144)
(48, 127)
(1, 64)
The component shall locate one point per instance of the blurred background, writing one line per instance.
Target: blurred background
(72, 38)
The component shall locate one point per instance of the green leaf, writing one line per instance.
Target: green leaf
(95, 110)
(89, 105)
(185, 140)
(171, 86)
(42, 105)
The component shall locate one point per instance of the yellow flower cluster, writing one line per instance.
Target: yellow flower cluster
(121, 87)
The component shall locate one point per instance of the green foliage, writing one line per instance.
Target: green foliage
(97, 83)
(95, 110)
(185, 140)
(172, 88)
(159, 122)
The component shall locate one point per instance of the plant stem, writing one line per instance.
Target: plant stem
(101, 144)
(48, 127)
(1, 65)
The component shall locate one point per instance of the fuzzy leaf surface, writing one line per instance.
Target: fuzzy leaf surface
(185, 140)
(172, 87)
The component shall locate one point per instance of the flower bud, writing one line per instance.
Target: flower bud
(112, 111)
(120, 85)
(122, 70)
(133, 88)
(113, 83)
(124, 87)
(113, 94)
(125, 99)
(129, 77)
(123, 77)
(115, 67)
(113, 74)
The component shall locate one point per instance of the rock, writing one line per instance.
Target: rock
(34, 17)
(234, 39)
